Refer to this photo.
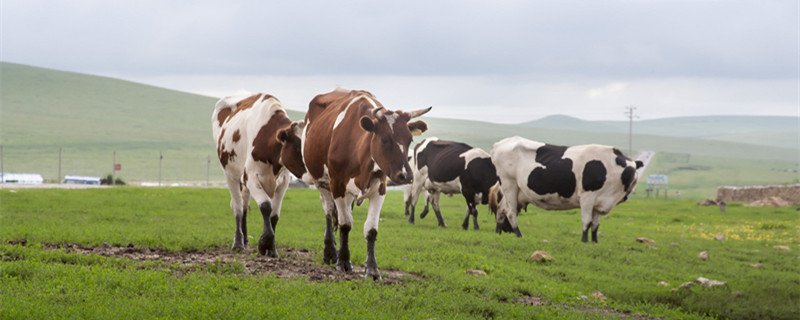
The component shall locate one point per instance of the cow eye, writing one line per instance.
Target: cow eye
(384, 140)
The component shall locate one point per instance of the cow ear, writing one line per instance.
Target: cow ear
(639, 164)
(417, 127)
(283, 135)
(368, 124)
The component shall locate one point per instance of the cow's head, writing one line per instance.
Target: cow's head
(291, 155)
(391, 137)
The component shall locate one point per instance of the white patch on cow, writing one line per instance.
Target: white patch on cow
(391, 119)
(449, 187)
(401, 148)
(473, 154)
(340, 117)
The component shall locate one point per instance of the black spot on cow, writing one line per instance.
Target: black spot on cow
(621, 159)
(627, 177)
(555, 175)
(478, 178)
(594, 175)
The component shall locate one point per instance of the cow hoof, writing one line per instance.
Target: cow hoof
(519, 234)
(465, 226)
(372, 273)
(266, 247)
(237, 248)
(411, 221)
(443, 225)
(344, 266)
(329, 256)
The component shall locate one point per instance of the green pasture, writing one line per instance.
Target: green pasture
(37, 283)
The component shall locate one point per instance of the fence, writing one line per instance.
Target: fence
(789, 193)
(137, 166)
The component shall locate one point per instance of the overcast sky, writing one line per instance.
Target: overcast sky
(501, 61)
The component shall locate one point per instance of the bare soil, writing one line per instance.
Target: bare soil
(291, 262)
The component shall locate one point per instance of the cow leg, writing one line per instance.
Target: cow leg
(235, 188)
(475, 218)
(471, 211)
(329, 254)
(587, 209)
(595, 226)
(427, 197)
(345, 225)
(371, 234)
(465, 224)
(261, 187)
(411, 202)
(434, 198)
(245, 208)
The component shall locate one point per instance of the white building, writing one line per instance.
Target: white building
(21, 178)
(68, 179)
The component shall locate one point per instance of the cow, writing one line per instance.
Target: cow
(351, 145)
(450, 167)
(594, 178)
(258, 146)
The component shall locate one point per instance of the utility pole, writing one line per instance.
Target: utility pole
(630, 115)
(2, 173)
(208, 168)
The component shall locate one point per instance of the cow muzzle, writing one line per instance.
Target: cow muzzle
(402, 178)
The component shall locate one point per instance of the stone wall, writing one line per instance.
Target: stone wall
(789, 193)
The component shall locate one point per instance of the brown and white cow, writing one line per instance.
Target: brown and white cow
(594, 178)
(351, 145)
(256, 143)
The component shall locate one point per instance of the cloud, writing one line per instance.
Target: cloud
(610, 90)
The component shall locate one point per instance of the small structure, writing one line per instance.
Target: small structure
(789, 194)
(21, 178)
(81, 180)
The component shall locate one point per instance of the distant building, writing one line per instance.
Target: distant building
(81, 180)
(21, 178)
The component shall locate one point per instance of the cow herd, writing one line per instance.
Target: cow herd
(349, 146)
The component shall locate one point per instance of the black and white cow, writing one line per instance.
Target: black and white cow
(594, 178)
(449, 167)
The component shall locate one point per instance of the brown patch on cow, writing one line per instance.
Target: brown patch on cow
(292, 262)
(266, 148)
(223, 114)
(245, 104)
(224, 156)
(236, 136)
(291, 155)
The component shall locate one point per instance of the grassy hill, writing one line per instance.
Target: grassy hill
(89, 118)
(763, 130)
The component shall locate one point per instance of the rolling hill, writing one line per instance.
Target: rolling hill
(764, 130)
(93, 120)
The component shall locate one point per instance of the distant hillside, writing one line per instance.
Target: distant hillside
(155, 132)
(775, 131)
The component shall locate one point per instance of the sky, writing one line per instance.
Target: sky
(505, 61)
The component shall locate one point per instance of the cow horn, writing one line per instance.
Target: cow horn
(376, 111)
(417, 113)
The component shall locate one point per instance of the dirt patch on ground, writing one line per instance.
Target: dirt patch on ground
(292, 262)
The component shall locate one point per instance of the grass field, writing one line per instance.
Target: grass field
(40, 283)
